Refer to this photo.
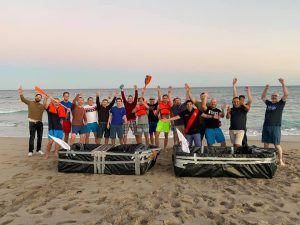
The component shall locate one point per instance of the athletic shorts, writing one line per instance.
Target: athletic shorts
(152, 127)
(67, 126)
(271, 135)
(92, 127)
(214, 135)
(78, 129)
(116, 130)
(132, 125)
(103, 131)
(56, 133)
(236, 136)
(142, 129)
(163, 127)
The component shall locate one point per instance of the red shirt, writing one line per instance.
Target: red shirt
(129, 107)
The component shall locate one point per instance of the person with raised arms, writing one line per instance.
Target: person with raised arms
(237, 115)
(56, 113)
(79, 119)
(153, 118)
(192, 123)
(141, 112)
(246, 105)
(35, 117)
(117, 119)
(213, 132)
(201, 105)
(271, 133)
(103, 115)
(130, 104)
(164, 111)
(67, 121)
(92, 126)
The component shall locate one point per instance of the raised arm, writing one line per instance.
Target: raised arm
(158, 94)
(234, 87)
(222, 113)
(111, 104)
(123, 96)
(228, 114)
(204, 98)
(45, 103)
(98, 99)
(136, 95)
(189, 93)
(284, 89)
(264, 94)
(21, 93)
(170, 94)
(249, 103)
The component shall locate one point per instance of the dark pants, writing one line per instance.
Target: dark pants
(35, 128)
(245, 140)
(202, 131)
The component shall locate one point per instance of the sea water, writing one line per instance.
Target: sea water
(14, 122)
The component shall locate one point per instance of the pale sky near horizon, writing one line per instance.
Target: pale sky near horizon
(101, 44)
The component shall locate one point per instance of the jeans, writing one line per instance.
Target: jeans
(35, 128)
(196, 138)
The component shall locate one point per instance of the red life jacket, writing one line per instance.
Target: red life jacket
(60, 111)
(165, 109)
(141, 111)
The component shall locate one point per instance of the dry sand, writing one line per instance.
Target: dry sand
(33, 192)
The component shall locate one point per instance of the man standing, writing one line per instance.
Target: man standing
(103, 115)
(130, 104)
(271, 133)
(177, 108)
(35, 116)
(56, 113)
(79, 119)
(141, 111)
(67, 121)
(153, 118)
(213, 132)
(117, 119)
(164, 111)
(202, 105)
(91, 113)
(237, 115)
(247, 105)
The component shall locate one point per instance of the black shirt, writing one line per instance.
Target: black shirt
(151, 116)
(273, 115)
(103, 113)
(238, 118)
(212, 123)
(196, 126)
(54, 121)
(176, 109)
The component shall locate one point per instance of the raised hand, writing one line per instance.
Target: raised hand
(20, 90)
(234, 81)
(116, 93)
(170, 89)
(98, 93)
(187, 86)
(135, 87)
(282, 81)
(267, 86)
(223, 107)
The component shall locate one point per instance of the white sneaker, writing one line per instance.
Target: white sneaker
(40, 152)
(29, 154)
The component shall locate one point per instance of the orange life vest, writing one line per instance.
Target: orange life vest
(60, 111)
(165, 109)
(141, 111)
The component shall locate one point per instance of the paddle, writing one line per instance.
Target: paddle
(147, 80)
(42, 92)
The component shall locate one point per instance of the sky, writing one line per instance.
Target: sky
(101, 44)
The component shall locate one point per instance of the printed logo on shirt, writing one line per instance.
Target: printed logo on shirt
(271, 107)
(210, 112)
(90, 108)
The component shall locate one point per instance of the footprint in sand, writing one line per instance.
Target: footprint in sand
(231, 191)
(175, 204)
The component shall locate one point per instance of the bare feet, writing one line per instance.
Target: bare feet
(281, 163)
(46, 156)
(56, 155)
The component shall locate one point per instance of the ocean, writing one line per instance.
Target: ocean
(14, 123)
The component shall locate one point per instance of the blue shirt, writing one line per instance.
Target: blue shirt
(68, 105)
(117, 115)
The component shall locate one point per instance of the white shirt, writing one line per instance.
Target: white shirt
(91, 113)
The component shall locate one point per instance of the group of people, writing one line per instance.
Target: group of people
(112, 117)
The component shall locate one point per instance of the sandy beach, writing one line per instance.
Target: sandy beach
(33, 192)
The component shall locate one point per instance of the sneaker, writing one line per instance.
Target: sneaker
(40, 152)
(29, 154)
